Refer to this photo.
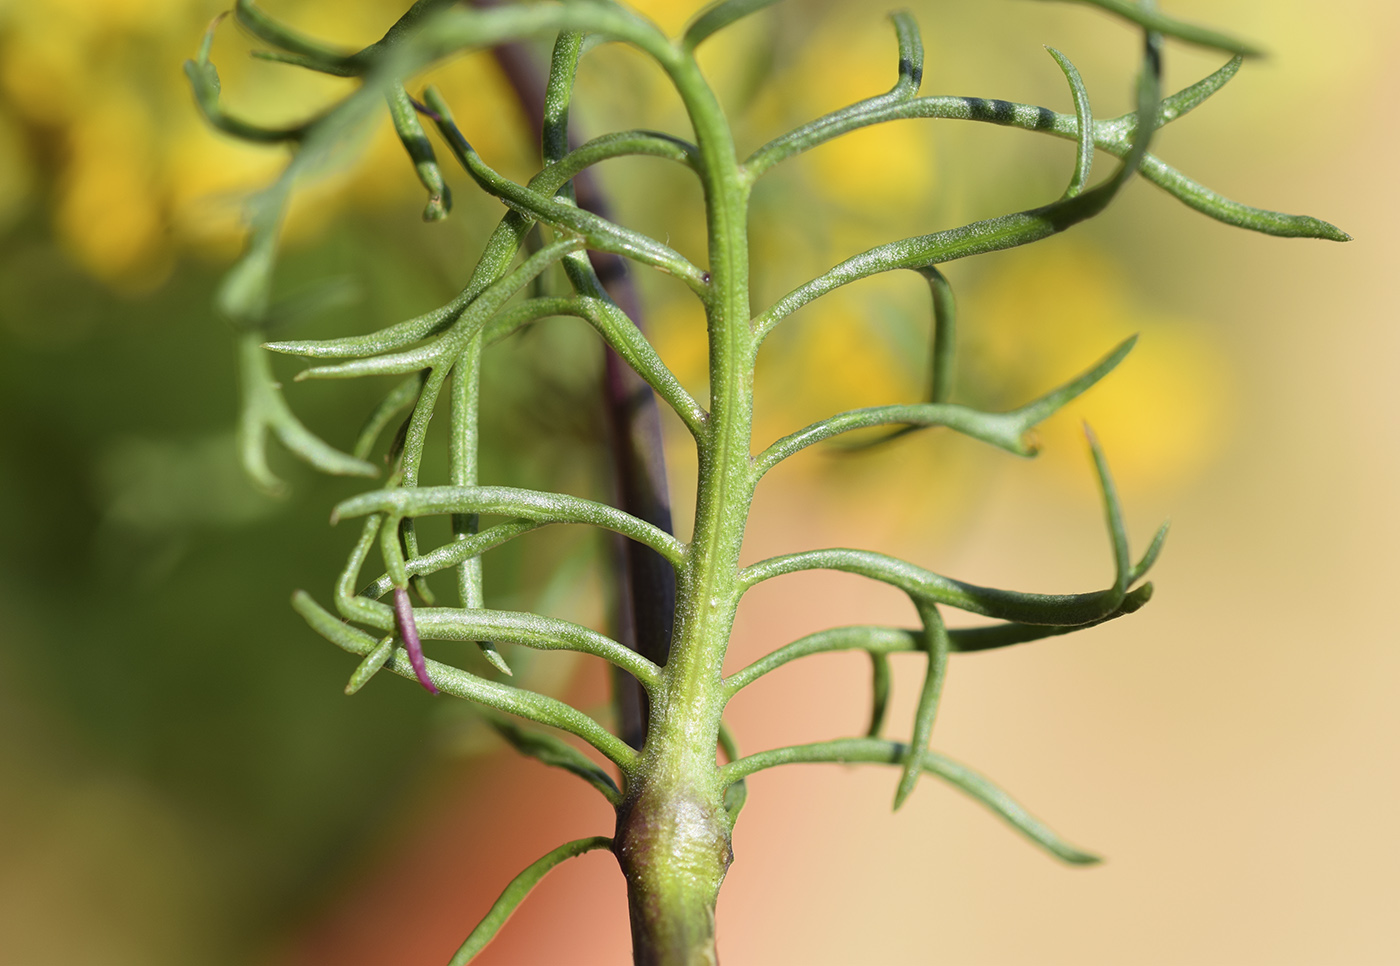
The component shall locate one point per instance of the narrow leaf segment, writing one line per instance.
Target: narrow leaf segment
(516, 892)
(880, 752)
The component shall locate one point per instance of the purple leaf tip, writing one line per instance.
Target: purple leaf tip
(408, 633)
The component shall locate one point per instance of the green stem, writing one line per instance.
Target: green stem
(673, 829)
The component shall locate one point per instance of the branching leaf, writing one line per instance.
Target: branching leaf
(204, 80)
(1010, 431)
(600, 234)
(880, 641)
(534, 505)
(1112, 136)
(463, 684)
(265, 411)
(878, 751)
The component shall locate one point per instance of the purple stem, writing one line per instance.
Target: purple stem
(646, 585)
(408, 633)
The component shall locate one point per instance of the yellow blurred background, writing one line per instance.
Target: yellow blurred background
(182, 782)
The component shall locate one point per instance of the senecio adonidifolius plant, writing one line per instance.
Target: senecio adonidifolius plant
(676, 805)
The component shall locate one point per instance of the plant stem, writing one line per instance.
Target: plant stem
(673, 831)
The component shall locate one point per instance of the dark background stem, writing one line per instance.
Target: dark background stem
(645, 583)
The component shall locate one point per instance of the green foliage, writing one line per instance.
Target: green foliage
(545, 234)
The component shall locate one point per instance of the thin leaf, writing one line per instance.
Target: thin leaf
(420, 152)
(1006, 808)
(1112, 135)
(911, 55)
(1113, 512)
(934, 642)
(271, 31)
(1190, 33)
(1061, 610)
(304, 62)
(879, 751)
(516, 892)
(943, 340)
(1039, 410)
(264, 411)
(717, 16)
(372, 664)
(736, 793)
(1010, 431)
(512, 627)
(452, 554)
(879, 641)
(537, 505)
(599, 233)
(879, 692)
(204, 80)
(1150, 557)
(969, 640)
(402, 396)
(554, 751)
(1084, 118)
(472, 320)
(463, 684)
(1222, 209)
(989, 235)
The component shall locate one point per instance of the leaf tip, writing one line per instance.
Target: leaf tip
(1076, 857)
(907, 782)
(408, 633)
(1144, 594)
(495, 658)
(1093, 438)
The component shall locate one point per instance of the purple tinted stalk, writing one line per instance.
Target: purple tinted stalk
(646, 584)
(408, 633)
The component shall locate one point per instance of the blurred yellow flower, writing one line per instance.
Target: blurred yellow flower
(1048, 312)
(134, 176)
(16, 170)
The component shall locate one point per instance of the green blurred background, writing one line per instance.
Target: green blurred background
(181, 779)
